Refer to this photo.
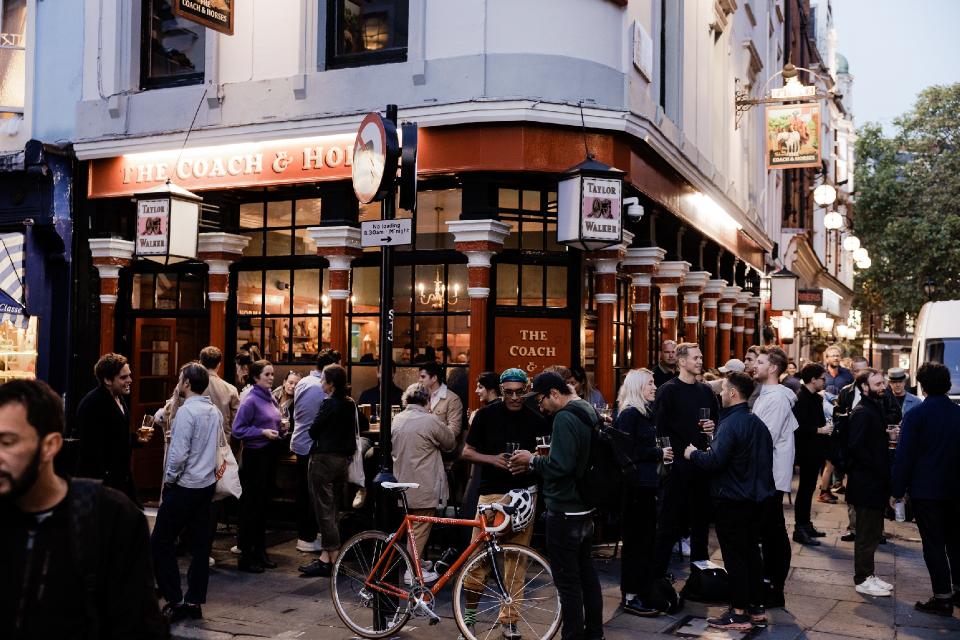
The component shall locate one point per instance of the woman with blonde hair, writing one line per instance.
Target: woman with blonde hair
(639, 523)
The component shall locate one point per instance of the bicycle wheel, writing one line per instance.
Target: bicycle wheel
(534, 605)
(369, 605)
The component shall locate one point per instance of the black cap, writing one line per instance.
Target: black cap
(549, 380)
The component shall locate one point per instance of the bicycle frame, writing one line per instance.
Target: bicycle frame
(375, 581)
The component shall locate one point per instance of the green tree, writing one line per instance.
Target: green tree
(908, 206)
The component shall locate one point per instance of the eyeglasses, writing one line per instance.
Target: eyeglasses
(512, 393)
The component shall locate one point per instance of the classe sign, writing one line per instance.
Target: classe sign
(531, 344)
(228, 166)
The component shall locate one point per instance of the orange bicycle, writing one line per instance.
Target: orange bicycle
(377, 583)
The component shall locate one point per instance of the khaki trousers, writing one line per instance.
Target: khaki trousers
(514, 568)
(421, 530)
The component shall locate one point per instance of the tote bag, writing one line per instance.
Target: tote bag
(355, 474)
(228, 472)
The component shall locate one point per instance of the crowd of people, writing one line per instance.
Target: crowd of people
(706, 447)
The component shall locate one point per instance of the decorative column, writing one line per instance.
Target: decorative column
(669, 278)
(605, 263)
(641, 263)
(711, 296)
(750, 322)
(339, 245)
(739, 315)
(728, 297)
(479, 240)
(692, 287)
(219, 251)
(109, 256)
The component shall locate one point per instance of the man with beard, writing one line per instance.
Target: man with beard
(77, 560)
(103, 422)
(868, 479)
(189, 482)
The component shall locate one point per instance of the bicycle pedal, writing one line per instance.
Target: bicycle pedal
(434, 621)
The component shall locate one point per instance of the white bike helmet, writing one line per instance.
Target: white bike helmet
(521, 508)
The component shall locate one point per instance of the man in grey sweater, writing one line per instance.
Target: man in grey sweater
(189, 482)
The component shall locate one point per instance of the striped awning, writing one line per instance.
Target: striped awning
(12, 253)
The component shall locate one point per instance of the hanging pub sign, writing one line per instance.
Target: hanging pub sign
(810, 296)
(793, 136)
(589, 206)
(214, 14)
(168, 219)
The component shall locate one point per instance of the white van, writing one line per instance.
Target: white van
(936, 338)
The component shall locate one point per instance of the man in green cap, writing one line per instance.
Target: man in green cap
(498, 429)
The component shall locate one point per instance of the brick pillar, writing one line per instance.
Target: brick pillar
(109, 256)
(710, 298)
(339, 245)
(739, 323)
(750, 322)
(668, 279)
(479, 240)
(691, 290)
(728, 298)
(641, 263)
(219, 251)
(605, 296)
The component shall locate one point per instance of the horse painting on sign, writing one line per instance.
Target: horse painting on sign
(793, 136)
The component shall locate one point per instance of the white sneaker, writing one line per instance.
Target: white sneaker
(310, 547)
(870, 588)
(428, 576)
(886, 586)
(235, 550)
(685, 547)
(211, 562)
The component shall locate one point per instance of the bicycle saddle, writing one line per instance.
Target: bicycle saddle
(400, 486)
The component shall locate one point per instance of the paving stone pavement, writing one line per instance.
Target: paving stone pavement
(821, 601)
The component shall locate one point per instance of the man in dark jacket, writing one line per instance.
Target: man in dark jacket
(103, 423)
(868, 478)
(837, 377)
(76, 554)
(846, 401)
(811, 439)
(740, 460)
(926, 466)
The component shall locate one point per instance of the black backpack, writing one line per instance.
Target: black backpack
(601, 484)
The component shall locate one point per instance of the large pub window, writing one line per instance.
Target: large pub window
(171, 48)
(364, 32)
(13, 55)
(532, 270)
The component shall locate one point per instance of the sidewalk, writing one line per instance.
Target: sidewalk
(821, 601)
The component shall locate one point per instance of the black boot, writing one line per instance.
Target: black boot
(266, 561)
(936, 606)
(249, 563)
(316, 569)
(637, 607)
(813, 533)
(800, 535)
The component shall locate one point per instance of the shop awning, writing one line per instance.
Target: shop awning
(12, 309)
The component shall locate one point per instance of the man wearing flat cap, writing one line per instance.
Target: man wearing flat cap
(499, 429)
(897, 394)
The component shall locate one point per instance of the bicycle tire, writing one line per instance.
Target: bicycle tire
(351, 595)
(542, 625)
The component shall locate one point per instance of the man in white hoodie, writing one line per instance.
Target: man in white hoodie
(774, 406)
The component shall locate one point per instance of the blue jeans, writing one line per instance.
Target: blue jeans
(569, 544)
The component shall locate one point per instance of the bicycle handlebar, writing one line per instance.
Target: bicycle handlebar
(506, 510)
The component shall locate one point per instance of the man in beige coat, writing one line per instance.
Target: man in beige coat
(418, 439)
(222, 394)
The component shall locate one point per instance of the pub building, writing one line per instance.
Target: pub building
(485, 284)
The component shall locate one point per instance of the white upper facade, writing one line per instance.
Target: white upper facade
(465, 61)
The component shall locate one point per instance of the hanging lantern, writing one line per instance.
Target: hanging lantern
(168, 221)
(851, 243)
(833, 220)
(824, 195)
(860, 254)
(589, 206)
(783, 290)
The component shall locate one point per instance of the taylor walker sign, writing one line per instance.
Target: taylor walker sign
(793, 136)
(215, 14)
(153, 219)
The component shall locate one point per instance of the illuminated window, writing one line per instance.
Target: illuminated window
(13, 19)
(171, 48)
(362, 32)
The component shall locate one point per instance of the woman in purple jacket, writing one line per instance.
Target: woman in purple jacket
(257, 424)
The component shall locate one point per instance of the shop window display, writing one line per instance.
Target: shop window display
(18, 349)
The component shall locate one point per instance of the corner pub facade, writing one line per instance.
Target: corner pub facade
(485, 284)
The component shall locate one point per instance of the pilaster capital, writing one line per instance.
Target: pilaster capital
(641, 307)
(336, 240)
(108, 271)
(672, 272)
(643, 259)
(111, 252)
(605, 298)
(478, 234)
(743, 298)
(640, 280)
(478, 292)
(714, 288)
(709, 303)
(730, 294)
(754, 302)
(480, 259)
(219, 246)
(695, 281)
